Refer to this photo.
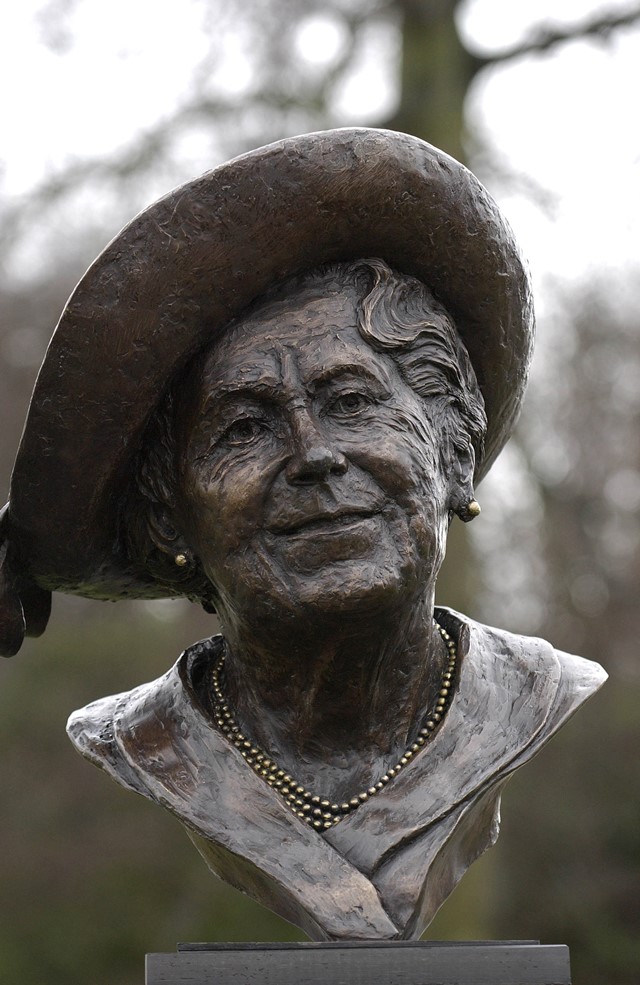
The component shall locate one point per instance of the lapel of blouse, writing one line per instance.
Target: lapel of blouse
(505, 692)
(189, 768)
(506, 688)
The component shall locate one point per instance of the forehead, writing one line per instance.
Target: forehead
(310, 332)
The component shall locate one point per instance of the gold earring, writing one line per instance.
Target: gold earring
(181, 560)
(469, 511)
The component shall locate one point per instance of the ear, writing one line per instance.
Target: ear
(461, 495)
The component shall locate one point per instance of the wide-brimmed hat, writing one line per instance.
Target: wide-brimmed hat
(181, 270)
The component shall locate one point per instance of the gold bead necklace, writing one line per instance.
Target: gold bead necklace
(320, 812)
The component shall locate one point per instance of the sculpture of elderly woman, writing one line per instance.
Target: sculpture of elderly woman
(271, 394)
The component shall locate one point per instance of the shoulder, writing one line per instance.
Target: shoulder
(528, 671)
(91, 730)
(150, 717)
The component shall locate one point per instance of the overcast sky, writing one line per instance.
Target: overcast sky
(569, 119)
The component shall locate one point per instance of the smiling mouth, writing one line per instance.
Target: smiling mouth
(330, 523)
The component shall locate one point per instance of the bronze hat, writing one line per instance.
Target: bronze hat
(176, 275)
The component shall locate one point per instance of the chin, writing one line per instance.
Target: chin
(316, 580)
(340, 589)
(358, 580)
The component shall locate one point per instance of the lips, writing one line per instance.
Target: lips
(319, 522)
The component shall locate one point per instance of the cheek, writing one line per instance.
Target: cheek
(430, 536)
(405, 461)
(404, 457)
(223, 507)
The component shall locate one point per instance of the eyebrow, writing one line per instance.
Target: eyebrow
(329, 373)
(271, 388)
(241, 389)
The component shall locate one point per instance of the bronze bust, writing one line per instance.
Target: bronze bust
(288, 377)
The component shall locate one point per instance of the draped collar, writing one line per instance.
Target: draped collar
(384, 870)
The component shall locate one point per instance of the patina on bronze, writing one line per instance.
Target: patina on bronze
(288, 377)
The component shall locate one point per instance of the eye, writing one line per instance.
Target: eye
(244, 431)
(350, 404)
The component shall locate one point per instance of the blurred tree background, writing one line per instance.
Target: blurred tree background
(532, 97)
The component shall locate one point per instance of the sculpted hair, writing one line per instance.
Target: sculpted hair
(397, 314)
(147, 525)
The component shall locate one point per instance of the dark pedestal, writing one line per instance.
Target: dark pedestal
(383, 963)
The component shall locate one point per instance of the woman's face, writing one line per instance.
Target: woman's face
(311, 476)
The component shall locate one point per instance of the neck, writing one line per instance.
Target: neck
(336, 708)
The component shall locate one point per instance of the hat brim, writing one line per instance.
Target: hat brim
(180, 271)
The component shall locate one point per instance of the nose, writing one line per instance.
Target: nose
(313, 459)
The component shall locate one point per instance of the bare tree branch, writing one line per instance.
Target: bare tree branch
(492, 169)
(545, 38)
(284, 88)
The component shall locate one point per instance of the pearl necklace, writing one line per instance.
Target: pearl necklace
(320, 812)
